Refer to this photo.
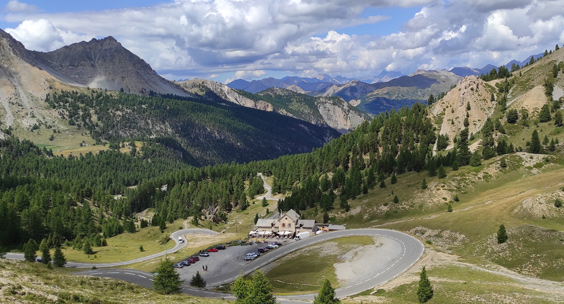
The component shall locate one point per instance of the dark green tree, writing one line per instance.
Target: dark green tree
(544, 114)
(59, 258)
(396, 199)
(449, 208)
(535, 146)
(87, 248)
(30, 249)
(431, 100)
(45, 254)
(325, 217)
(424, 184)
(476, 159)
(256, 218)
(198, 281)
(167, 281)
(327, 293)
(501, 235)
(382, 184)
(393, 179)
(558, 121)
(256, 290)
(557, 203)
(162, 225)
(441, 172)
(264, 202)
(425, 290)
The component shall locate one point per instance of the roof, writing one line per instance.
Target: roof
(336, 227)
(265, 223)
(291, 214)
(306, 223)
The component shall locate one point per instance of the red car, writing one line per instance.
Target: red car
(212, 250)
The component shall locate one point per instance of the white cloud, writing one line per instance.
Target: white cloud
(42, 35)
(20, 7)
(245, 38)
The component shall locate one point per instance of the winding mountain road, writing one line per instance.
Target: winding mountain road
(175, 237)
(410, 251)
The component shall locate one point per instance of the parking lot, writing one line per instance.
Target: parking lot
(229, 259)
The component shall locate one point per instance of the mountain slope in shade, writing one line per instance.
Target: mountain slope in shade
(105, 64)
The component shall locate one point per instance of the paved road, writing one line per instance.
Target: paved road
(268, 194)
(410, 252)
(175, 235)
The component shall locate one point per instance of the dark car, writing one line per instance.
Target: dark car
(186, 263)
(263, 249)
(212, 250)
(220, 247)
(204, 254)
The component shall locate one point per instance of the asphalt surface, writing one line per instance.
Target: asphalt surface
(226, 265)
(175, 235)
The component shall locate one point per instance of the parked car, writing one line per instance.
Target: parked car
(220, 247)
(250, 257)
(192, 261)
(255, 254)
(186, 263)
(263, 249)
(273, 245)
(39, 260)
(179, 265)
(195, 257)
(212, 250)
(204, 254)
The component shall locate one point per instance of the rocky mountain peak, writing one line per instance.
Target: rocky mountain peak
(106, 64)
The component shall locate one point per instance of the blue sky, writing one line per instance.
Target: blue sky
(224, 40)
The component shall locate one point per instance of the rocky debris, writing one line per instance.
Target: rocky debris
(452, 109)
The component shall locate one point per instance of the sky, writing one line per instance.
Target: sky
(223, 40)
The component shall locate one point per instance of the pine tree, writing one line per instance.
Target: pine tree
(256, 218)
(558, 121)
(424, 184)
(261, 292)
(30, 249)
(87, 248)
(441, 173)
(449, 208)
(59, 258)
(327, 294)
(394, 179)
(45, 254)
(198, 281)
(162, 225)
(396, 199)
(544, 114)
(501, 235)
(535, 146)
(425, 290)
(264, 202)
(167, 281)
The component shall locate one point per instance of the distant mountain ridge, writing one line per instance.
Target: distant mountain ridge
(333, 112)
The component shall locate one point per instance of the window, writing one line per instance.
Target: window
(283, 225)
(289, 225)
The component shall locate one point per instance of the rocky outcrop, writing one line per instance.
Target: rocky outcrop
(342, 117)
(201, 86)
(452, 109)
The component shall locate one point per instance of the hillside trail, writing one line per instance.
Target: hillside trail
(268, 194)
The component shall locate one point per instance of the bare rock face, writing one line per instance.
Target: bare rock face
(200, 86)
(105, 64)
(470, 92)
(342, 116)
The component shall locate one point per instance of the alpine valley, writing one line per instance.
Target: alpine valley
(102, 159)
